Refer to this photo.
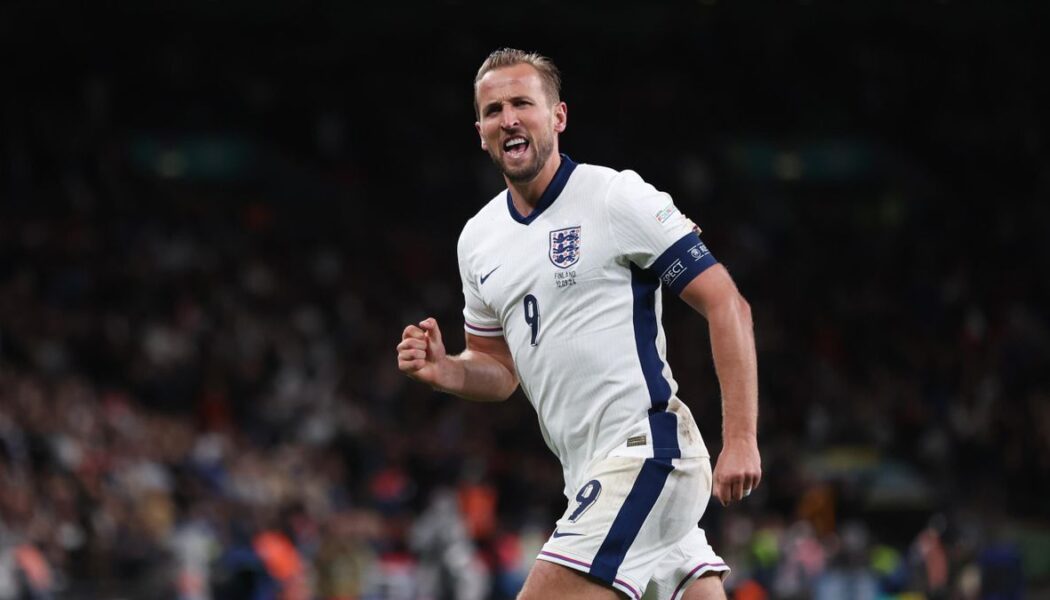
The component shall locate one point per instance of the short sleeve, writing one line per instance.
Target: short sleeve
(653, 234)
(478, 318)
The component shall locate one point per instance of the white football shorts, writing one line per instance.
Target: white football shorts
(633, 525)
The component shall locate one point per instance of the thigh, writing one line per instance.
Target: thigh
(692, 570)
(547, 580)
(708, 587)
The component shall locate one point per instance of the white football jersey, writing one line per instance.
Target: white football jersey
(574, 287)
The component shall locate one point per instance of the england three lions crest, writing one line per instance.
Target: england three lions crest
(565, 247)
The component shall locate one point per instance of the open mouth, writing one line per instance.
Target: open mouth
(515, 147)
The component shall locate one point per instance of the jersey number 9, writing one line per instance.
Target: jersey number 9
(532, 315)
(586, 497)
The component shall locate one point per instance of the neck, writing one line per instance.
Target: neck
(526, 194)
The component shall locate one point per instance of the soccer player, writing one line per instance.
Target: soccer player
(562, 279)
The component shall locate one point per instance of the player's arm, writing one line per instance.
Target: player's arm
(483, 372)
(713, 294)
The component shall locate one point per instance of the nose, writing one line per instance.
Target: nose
(509, 118)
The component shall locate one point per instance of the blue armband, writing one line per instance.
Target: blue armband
(682, 262)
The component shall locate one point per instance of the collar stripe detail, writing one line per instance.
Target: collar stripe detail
(554, 188)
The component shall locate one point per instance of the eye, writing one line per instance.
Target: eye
(491, 109)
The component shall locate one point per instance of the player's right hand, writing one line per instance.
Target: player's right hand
(421, 353)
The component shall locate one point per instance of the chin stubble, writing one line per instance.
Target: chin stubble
(543, 153)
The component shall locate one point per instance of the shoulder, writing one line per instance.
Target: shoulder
(629, 184)
(602, 184)
(593, 177)
(485, 222)
(628, 195)
(614, 186)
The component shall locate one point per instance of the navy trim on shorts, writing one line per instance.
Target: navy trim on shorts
(696, 573)
(628, 522)
(587, 565)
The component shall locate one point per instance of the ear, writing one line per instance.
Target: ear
(561, 117)
(484, 145)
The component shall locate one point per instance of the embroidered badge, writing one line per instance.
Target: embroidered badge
(564, 250)
(666, 213)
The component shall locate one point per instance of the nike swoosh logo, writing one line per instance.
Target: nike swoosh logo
(558, 534)
(485, 277)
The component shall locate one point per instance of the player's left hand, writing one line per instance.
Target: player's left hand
(738, 471)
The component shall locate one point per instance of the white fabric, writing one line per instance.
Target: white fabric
(669, 551)
(584, 376)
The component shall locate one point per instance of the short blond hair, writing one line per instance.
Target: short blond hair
(508, 57)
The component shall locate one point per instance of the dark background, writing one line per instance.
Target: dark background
(216, 218)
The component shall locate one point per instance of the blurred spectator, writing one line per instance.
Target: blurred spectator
(206, 258)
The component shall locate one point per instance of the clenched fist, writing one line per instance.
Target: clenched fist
(421, 353)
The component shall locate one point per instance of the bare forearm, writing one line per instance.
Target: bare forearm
(478, 376)
(739, 467)
(484, 371)
(733, 348)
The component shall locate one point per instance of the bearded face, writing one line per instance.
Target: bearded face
(517, 123)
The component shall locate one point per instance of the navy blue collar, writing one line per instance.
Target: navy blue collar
(554, 188)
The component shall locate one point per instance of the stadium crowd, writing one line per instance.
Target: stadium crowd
(199, 398)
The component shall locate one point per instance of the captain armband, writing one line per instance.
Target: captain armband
(682, 262)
